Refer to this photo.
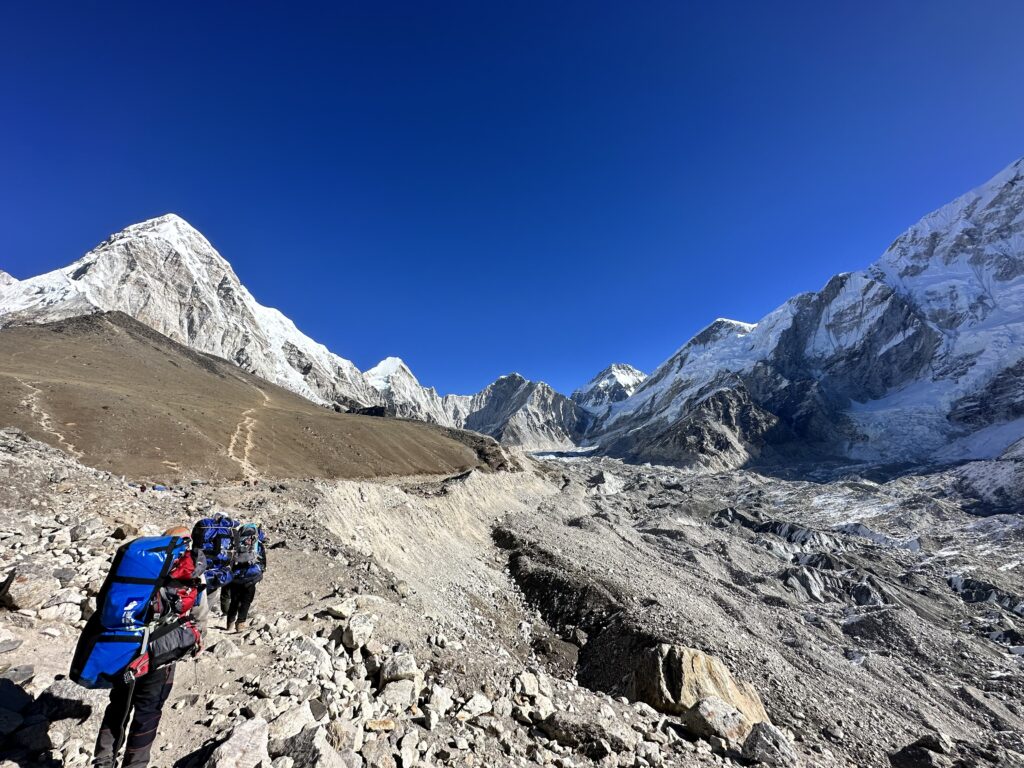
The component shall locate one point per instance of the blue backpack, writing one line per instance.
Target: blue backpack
(249, 555)
(216, 537)
(117, 633)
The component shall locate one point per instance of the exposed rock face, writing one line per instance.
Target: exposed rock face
(917, 358)
(769, 746)
(997, 485)
(519, 412)
(675, 679)
(720, 430)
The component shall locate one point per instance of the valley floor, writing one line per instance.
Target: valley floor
(538, 617)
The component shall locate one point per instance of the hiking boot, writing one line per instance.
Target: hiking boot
(229, 627)
(240, 626)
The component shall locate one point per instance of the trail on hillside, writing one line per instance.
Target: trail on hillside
(246, 426)
(42, 418)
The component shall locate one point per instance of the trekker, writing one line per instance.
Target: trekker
(150, 614)
(248, 564)
(216, 537)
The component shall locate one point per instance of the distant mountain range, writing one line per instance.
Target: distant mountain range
(919, 358)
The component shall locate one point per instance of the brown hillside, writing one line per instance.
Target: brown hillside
(122, 397)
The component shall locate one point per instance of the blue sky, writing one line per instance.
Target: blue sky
(482, 187)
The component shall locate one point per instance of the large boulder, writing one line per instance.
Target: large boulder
(27, 587)
(358, 631)
(712, 717)
(933, 750)
(589, 734)
(291, 722)
(673, 678)
(311, 748)
(246, 747)
(767, 745)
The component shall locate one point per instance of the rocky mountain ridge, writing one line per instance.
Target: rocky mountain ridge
(916, 359)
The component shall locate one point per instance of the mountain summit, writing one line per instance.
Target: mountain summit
(616, 382)
(164, 273)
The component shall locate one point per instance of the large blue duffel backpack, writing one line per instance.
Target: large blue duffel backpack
(117, 633)
(216, 537)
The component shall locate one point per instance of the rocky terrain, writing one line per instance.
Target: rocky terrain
(575, 612)
(796, 543)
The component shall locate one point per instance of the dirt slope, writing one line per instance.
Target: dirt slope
(121, 397)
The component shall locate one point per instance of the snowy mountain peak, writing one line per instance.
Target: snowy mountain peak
(615, 383)
(6, 279)
(164, 273)
(719, 328)
(380, 377)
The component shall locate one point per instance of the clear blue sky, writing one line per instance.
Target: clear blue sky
(485, 187)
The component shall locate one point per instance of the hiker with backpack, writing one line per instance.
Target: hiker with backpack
(248, 564)
(215, 536)
(149, 614)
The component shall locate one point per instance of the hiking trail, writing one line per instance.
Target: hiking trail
(42, 418)
(246, 425)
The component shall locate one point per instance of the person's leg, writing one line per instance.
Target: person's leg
(247, 593)
(225, 599)
(113, 726)
(151, 692)
(233, 603)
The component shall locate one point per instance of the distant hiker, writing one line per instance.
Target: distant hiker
(216, 537)
(149, 614)
(248, 564)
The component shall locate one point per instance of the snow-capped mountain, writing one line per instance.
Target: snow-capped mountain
(404, 396)
(616, 382)
(918, 358)
(165, 274)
